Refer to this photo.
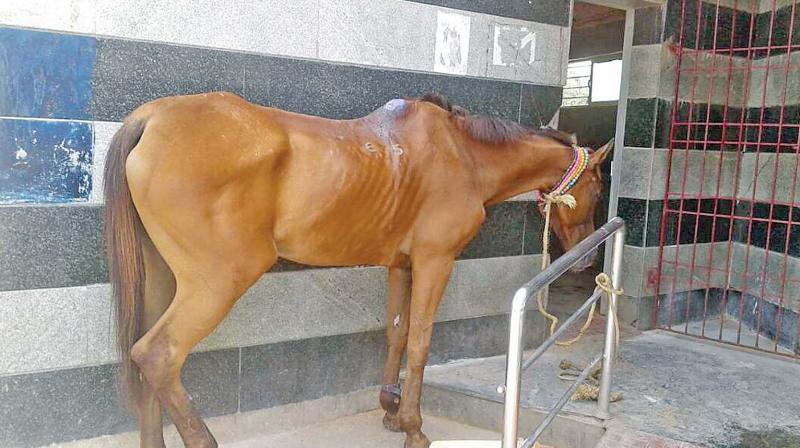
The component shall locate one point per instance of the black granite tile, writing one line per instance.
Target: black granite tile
(478, 337)
(538, 104)
(554, 12)
(774, 28)
(343, 92)
(704, 25)
(45, 75)
(129, 73)
(690, 224)
(212, 380)
(59, 246)
(655, 210)
(534, 227)
(663, 124)
(709, 123)
(51, 246)
(640, 121)
(634, 212)
(648, 25)
(772, 236)
(41, 408)
(770, 320)
(289, 372)
(501, 234)
(680, 307)
(774, 138)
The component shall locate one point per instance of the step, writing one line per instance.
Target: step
(567, 430)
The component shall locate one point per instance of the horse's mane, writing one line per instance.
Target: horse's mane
(493, 130)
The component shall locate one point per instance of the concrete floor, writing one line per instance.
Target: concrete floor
(363, 431)
(673, 386)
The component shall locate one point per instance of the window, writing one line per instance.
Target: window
(576, 92)
(592, 82)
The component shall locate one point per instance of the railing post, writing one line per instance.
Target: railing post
(611, 337)
(514, 369)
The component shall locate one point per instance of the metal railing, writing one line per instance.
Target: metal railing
(515, 365)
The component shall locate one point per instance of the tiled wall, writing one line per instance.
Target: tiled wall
(71, 71)
(708, 171)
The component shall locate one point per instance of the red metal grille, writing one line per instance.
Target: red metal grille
(729, 243)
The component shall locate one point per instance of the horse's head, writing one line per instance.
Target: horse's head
(573, 225)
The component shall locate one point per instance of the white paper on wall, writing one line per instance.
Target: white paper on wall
(452, 43)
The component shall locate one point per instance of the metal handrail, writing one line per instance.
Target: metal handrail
(616, 228)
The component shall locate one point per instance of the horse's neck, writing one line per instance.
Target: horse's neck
(506, 170)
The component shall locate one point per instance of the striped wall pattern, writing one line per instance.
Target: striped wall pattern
(711, 173)
(71, 71)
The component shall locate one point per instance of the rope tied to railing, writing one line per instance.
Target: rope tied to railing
(602, 280)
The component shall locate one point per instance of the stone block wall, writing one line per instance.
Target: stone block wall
(739, 261)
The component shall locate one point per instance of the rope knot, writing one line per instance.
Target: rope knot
(603, 282)
(557, 198)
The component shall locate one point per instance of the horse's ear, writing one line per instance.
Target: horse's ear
(598, 157)
(553, 123)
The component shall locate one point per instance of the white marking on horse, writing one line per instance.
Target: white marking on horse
(396, 104)
(397, 149)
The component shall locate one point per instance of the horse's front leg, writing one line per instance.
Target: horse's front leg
(397, 319)
(430, 276)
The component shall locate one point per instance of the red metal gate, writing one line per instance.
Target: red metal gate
(729, 248)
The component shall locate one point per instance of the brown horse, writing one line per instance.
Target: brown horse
(205, 192)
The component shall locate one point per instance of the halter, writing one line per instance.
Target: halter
(579, 164)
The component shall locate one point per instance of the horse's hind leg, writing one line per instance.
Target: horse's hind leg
(208, 284)
(158, 293)
(397, 319)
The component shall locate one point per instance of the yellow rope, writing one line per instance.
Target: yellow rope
(602, 280)
(590, 390)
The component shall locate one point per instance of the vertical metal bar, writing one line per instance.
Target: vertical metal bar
(748, 244)
(664, 214)
(514, 369)
(702, 175)
(619, 134)
(686, 154)
(731, 213)
(610, 348)
(717, 198)
(790, 217)
(741, 145)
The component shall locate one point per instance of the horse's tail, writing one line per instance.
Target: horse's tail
(123, 233)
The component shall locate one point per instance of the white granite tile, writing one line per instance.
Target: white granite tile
(636, 164)
(63, 15)
(44, 329)
(763, 174)
(527, 51)
(284, 27)
(103, 133)
(384, 33)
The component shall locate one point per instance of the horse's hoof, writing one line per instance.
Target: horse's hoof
(417, 440)
(391, 422)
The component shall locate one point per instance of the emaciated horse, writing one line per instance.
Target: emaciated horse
(205, 192)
